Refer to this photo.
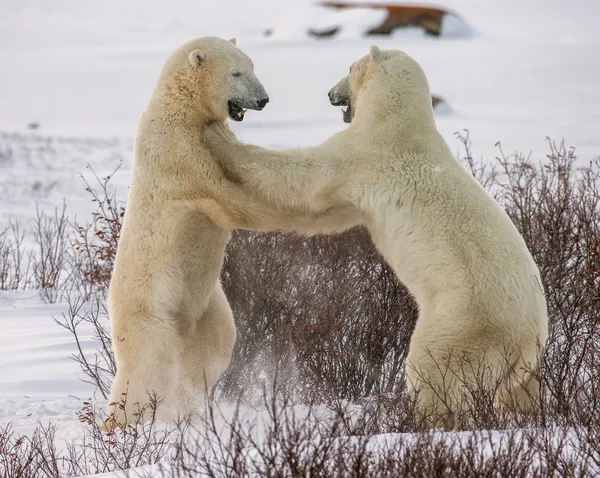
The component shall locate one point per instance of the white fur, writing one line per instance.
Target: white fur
(478, 289)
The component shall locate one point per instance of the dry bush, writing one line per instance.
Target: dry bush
(100, 369)
(66, 258)
(557, 210)
(15, 260)
(50, 271)
(326, 309)
(97, 451)
(90, 251)
(282, 440)
(29, 457)
(124, 447)
(286, 441)
(48, 266)
(96, 241)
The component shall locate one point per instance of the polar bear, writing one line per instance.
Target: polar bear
(482, 307)
(172, 327)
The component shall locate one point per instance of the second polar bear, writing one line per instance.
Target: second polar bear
(482, 306)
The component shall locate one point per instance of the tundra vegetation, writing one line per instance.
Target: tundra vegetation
(315, 386)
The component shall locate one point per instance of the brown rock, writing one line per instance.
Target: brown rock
(427, 18)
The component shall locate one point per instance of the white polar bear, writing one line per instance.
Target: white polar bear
(172, 327)
(477, 287)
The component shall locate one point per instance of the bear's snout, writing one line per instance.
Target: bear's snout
(262, 103)
(336, 99)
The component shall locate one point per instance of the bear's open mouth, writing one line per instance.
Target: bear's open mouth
(346, 113)
(236, 112)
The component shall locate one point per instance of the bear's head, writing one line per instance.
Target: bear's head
(381, 83)
(209, 78)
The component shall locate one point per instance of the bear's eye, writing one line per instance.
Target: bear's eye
(236, 74)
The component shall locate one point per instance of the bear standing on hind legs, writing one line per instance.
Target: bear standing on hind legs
(482, 309)
(172, 327)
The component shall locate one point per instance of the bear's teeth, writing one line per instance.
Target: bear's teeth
(241, 113)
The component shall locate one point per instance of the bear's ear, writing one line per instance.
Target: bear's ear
(376, 53)
(197, 57)
(233, 40)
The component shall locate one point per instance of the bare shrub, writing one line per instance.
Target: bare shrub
(100, 369)
(29, 457)
(123, 447)
(482, 170)
(97, 451)
(51, 237)
(66, 257)
(91, 260)
(14, 259)
(280, 440)
(557, 210)
(324, 308)
(283, 443)
(96, 241)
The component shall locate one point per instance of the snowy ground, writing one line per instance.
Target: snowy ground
(84, 71)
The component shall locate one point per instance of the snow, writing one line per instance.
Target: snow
(526, 72)
(35, 350)
(39, 383)
(455, 27)
(514, 71)
(42, 170)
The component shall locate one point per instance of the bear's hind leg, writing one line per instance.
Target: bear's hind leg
(451, 379)
(206, 353)
(520, 388)
(430, 378)
(148, 362)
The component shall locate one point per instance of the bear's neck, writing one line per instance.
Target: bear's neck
(175, 105)
(176, 114)
(383, 110)
(405, 122)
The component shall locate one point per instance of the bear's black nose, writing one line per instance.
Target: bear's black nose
(262, 103)
(330, 95)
